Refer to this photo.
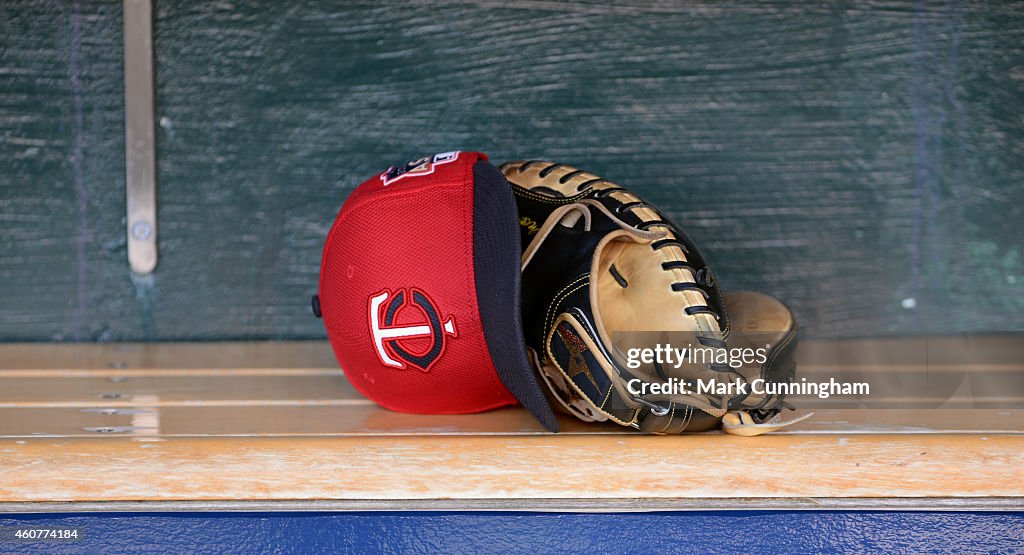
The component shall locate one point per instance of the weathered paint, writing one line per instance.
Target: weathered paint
(426, 532)
(862, 162)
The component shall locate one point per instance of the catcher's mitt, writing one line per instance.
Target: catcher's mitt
(607, 281)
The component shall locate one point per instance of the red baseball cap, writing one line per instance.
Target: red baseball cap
(419, 290)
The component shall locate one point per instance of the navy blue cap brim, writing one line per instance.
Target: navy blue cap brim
(496, 256)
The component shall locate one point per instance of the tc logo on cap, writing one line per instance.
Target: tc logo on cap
(423, 166)
(388, 337)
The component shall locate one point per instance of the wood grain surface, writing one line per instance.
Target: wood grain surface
(861, 161)
(510, 467)
(147, 436)
(359, 418)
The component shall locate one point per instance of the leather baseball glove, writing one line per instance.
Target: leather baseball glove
(624, 319)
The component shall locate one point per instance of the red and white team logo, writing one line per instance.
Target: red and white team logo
(419, 340)
(423, 166)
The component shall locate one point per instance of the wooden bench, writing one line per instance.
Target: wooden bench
(275, 426)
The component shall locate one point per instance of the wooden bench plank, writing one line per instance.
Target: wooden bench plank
(170, 390)
(294, 420)
(952, 373)
(953, 353)
(114, 356)
(366, 419)
(512, 467)
(73, 388)
(217, 424)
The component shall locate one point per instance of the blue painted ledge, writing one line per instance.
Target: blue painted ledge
(475, 532)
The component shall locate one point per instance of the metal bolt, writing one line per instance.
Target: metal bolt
(142, 230)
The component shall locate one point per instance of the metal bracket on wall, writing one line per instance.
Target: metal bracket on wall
(139, 136)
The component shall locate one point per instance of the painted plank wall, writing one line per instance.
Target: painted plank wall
(441, 532)
(863, 161)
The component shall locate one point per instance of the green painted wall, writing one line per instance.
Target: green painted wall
(845, 158)
(62, 243)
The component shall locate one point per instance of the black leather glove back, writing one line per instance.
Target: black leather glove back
(605, 276)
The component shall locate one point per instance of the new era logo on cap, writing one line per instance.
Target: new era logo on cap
(419, 290)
